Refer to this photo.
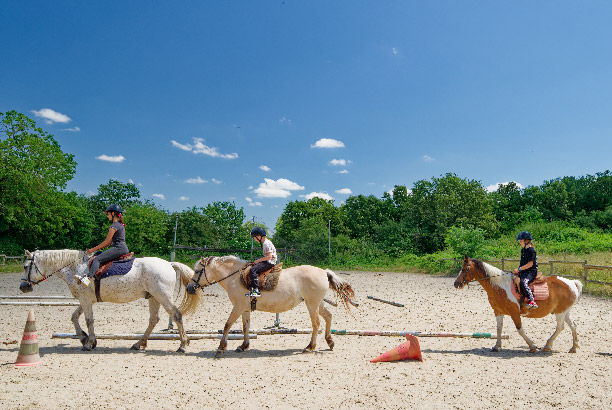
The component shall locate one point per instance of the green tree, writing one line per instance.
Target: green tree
(360, 214)
(227, 221)
(146, 230)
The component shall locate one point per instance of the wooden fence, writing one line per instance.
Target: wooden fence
(3, 259)
(285, 252)
(551, 268)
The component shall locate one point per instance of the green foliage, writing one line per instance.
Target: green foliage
(466, 241)
(146, 230)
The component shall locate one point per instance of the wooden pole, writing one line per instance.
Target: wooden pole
(153, 336)
(35, 297)
(39, 303)
(386, 301)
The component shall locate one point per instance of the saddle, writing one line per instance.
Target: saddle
(268, 280)
(124, 265)
(539, 288)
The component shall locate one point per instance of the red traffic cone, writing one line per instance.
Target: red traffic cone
(28, 350)
(409, 350)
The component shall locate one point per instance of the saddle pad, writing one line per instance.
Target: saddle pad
(119, 266)
(539, 290)
(268, 280)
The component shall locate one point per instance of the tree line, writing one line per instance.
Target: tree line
(443, 212)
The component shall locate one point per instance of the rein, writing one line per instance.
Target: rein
(203, 271)
(44, 277)
(467, 282)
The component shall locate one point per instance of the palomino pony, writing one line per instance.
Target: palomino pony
(300, 283)
(497, 283)
(151, 278)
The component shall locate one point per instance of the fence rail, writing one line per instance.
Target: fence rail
(3, 258)
(585, 268)
(285, 251)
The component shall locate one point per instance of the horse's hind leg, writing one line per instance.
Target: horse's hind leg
(91, 342)
(499, 318)
(327, 316)
(560, 325)
(153, 320)
(516, 318)
(236, 312)
(246, 324)
(177, 316)
(313, 309)
(572, 325)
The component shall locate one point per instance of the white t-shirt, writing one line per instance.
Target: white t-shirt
(268, 247)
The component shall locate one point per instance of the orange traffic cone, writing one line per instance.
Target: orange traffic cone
(409, 350)
(28, 350)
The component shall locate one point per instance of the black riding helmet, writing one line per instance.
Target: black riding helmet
(258, 231)
(524, 235)
(114, 208)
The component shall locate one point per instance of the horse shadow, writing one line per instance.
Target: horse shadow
(487, 352)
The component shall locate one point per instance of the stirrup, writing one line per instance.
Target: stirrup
(254, 294)
(82, 280)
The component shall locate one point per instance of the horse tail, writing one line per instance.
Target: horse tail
(579, 287)
(190, 303)
(342, 289)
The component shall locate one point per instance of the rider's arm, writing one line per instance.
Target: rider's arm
(107, 242)
(525, 266)
(264, 258)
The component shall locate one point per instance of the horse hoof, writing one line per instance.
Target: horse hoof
(219, 354)
(307, 350)
(241, 349)
(94, 344)
(572, 350)
(181, 349)
(135, 346)
(495, 349)
(547, 349)
(86, 348)
(533, 349)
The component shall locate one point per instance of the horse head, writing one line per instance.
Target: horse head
(200, 273)
(465, 275)
(31, 273)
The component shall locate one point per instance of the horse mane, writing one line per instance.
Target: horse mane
(231, 259)
(496, 276)
(59, 259)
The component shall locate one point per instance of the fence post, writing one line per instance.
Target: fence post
(551, 268)
(502, 261)
(586, 275)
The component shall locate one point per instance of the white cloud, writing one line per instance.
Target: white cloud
(252, 203)
(344, 191)
(328, 143)
(159, 196)
(427, 158)
(90, 193)
(495, 187)
(344, 171)
(340, 162)
(197, 180)
(107, 158)
(216, 181)
(265, 168)
(51, 116)
(281, 188)
(285, 120)
(75, 129)
(198, 147)
(323, 195)
(395, 51)
(184, 198)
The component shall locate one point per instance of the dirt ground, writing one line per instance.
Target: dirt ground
(455, 374)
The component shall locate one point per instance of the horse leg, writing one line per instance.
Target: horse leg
(560, 325)
(91, 342)
(246, 324)
(153, 319)
(177, 316)
(236, 312)
(572, 325)
(500, 325)
(77, 327)
(327, 316)
(313, 310)
(516, 318)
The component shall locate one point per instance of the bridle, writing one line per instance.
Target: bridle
(202, 271)
(467, 282)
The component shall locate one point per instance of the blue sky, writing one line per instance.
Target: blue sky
(266, 102)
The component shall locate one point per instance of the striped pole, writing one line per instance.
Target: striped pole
(153, 336)
(418, 334)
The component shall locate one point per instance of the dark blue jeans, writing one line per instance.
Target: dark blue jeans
(256, 270)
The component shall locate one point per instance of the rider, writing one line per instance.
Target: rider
(115, 237)
(264, 263)
(528, 266)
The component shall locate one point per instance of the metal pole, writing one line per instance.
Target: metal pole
(252, 226)
(172, 255)
(329, 237)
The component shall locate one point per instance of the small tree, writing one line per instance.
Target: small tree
(466, 241)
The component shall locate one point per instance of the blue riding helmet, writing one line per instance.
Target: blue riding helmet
(114, 208)
(258, 231)
(524, 235)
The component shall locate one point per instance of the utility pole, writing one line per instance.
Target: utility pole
(252, 226)
(329, 236)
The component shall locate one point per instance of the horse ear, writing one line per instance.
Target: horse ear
(466, 259)
(27, 253)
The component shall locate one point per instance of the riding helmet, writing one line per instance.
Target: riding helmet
(114, 208)
(258, 231)
(524, 235)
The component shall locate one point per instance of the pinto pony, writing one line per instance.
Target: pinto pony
(298, 284)
(497, 283)
(150, 278)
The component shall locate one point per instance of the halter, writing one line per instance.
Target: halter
(208, 282)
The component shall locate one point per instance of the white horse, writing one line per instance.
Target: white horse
(151, 278)
(298, 284)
